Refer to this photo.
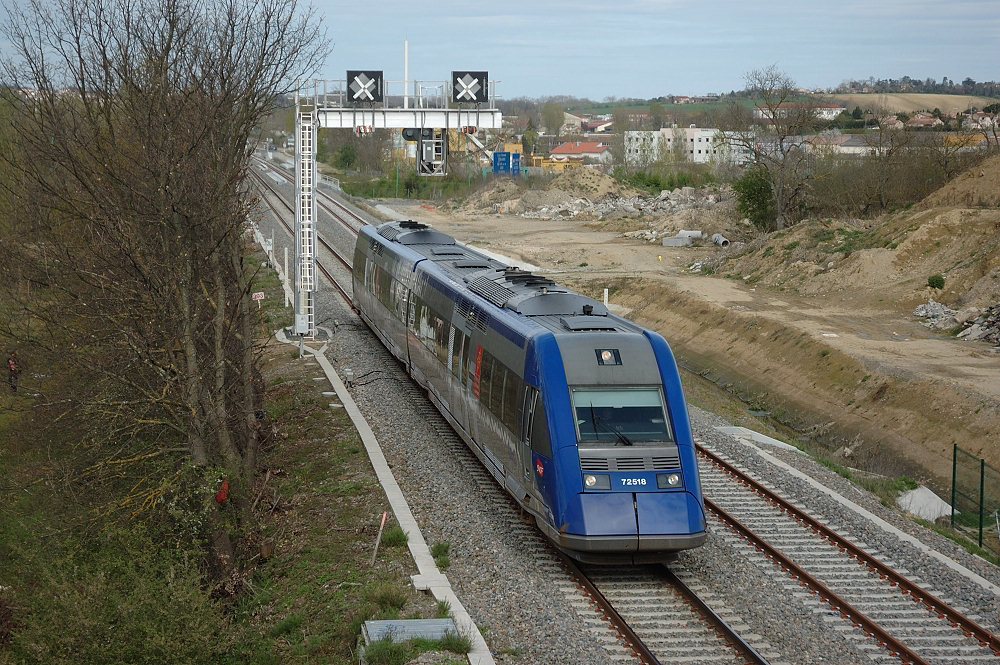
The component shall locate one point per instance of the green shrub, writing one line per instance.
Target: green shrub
(452, 641)
(936, 281)
(754, 199)
(123, 596)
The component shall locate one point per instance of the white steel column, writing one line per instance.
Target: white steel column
(305, 228)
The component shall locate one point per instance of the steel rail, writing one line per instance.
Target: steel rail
(323, 269)
(722, 629)
(620, 626)
(838, 604)
(907, 587)
(333, 213)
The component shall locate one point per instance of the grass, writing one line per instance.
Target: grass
(394, 536)
(388, 652)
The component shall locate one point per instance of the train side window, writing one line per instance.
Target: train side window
(540, 431)
(443, 328)
(457, 353)
(399, 299)
(360, 264)
(467, 371)
(496, 390)
(511, 393)
(486, 379)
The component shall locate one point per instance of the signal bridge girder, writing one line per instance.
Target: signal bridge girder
(383, 118)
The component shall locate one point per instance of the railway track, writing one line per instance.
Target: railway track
(633, 612)
(646, 615)
(889, 616)
(282, 209)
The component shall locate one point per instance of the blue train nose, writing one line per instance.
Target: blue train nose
(644, 522)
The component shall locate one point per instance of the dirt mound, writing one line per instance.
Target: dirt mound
(888, 260)
(592, 184)
(976, 187)
(502, 194)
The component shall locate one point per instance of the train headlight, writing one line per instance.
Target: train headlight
(596, 481)
(666, 481)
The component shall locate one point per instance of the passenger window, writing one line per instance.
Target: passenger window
(496, 391)
(443, 328)
(511, 394)
(456, 353)
(485, 378)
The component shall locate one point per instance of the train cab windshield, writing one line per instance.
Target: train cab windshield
(620, 416)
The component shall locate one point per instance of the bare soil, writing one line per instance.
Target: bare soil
(812, 324)
(912, 101)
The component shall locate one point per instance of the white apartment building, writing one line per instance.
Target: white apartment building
(701, 145)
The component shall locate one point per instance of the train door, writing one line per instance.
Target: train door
(531, 401)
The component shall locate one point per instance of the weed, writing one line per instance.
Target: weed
(387, 652)
(456, 643)
(936, 281)
(824, 352)
(443, 609)
(286, 626)
(841, 471)
(768, 251)
(790, 246)
(388, 597)
(394, 536)
(440, 549)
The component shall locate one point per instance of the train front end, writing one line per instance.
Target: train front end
(627, 487)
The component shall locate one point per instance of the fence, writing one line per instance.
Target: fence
(975, 499)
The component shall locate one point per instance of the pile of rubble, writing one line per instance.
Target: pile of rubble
(666, 202)
(979, 324)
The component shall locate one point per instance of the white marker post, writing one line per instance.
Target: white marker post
(258, 296)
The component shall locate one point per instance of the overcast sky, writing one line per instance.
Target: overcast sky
(648, 48)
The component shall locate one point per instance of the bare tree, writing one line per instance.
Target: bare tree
(770, 135)
(131, 141)
(953, 152)
(887, 147)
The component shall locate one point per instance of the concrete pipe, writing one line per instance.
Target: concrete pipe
(719, 240)
(691, 234)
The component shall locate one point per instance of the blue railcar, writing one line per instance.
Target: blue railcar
(578, 413)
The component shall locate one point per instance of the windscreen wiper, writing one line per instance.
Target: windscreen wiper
(622, 439)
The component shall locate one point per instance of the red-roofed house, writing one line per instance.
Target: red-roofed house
(921, 120)
(594, 150)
